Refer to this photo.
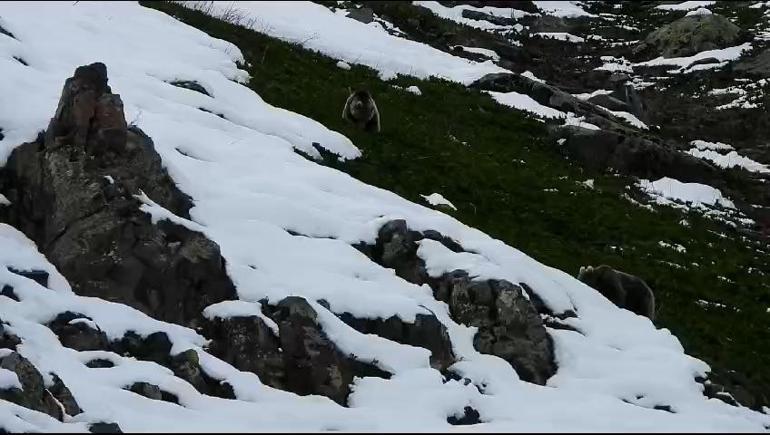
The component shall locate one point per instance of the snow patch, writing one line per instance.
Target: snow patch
(437, 199)
(695, 194)
(685, 6)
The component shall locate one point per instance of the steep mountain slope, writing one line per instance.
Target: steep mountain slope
(434, 322)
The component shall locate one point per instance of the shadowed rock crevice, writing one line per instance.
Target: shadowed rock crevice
(74, 194)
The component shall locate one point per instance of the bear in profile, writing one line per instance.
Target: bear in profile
(624, 290)
(361, 110)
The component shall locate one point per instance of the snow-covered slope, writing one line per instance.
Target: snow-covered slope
(250, 189)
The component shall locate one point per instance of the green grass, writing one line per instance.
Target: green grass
(422, 149)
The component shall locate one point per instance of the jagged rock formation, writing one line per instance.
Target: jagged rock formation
(74, 193)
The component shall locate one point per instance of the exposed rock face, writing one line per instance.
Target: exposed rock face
(509, 325)
(426, 331)
(364, 15)
(34, 394)
(102, 427)
(301, 358)
(78, 335)
(249, 345)
(74, 195)
(689, 35)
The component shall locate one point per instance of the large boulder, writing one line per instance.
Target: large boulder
(691, 34)
(75, 193)
(509, 326)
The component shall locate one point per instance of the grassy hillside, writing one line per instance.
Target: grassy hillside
(463, 145)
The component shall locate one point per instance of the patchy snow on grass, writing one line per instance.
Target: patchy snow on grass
(317, 28)
(414, 89)
(730, 160)
(251, 192)
(685, 6)
(565, 9)
(588, 95)
(482, 51)
(668, 190)
(456, 14)
(704, 145)
(561, 36)
(526, 103)
(723, 55)
(615, 64)
(675, 246)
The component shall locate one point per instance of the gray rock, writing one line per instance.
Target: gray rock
(147, 390)
(102, 427)
(509, 326)
(33, 394)
(549, 23)
(64, 396)
(689, 35)
(313, 364)
(92, 230)
(481, 16)
(364, 15)
(426, 331)
(78, 336)
(248, 344)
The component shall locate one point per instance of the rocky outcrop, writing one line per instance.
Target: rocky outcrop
(426, 331)
(509, 324)
(689, 35)
(74, 193)
(103, 427)
(54, 401)
(300, 358)
(75, 332)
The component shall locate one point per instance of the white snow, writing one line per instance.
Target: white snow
(698, 12)
(730, 160)
(628, 117)
(568, 9)
(482, 51)
(109, 179)
(526, 103)
(561, 36)
(588, 95)
(695, 194)
(343, 65)
(456, 14)
(437, 199)
(9, 380)
(615, 64)
(685, 6)
(4, 200)
(414, 89)
(228, 309)
(704, 145)
(675, 246)
(722, 55)
(571, 119)
(531, 76)
(317, 28)
(249, 189)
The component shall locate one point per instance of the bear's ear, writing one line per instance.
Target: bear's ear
(581, 272)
